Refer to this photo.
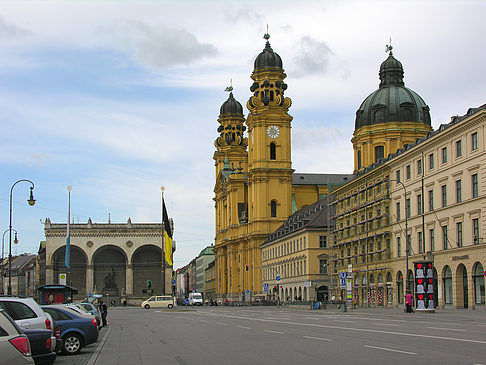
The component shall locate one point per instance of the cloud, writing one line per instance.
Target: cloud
(160, 48)
(313, 57)
(244, 14)
(11, 32)
(303, 138)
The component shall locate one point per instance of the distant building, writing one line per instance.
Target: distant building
(22, 275)
(202, 261)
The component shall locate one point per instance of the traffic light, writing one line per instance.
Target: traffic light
(173, 274)
(246, 268)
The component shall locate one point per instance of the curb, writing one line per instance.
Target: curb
(98, 349)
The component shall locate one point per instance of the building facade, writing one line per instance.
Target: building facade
(205, 257)
(295, 258)
(125, 261)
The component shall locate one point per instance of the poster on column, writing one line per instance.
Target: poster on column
(424, 286)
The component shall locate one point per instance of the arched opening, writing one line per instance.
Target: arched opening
(77, 273)
(447, 278)
(356, 291)
(323, 294)
(478, 279)
(379, 291)
(273, 151)
(364, 289)
(109, 264)
(410, 282)
(379, 152)
(400, 287)
(273, 208)
(462, 287)
(147, 265)
(389, 288)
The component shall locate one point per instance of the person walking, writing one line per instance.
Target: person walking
(104, 313)
(408, 302)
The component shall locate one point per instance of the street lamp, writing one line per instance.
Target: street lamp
(31, 202)
(3, 251)
(407, 243)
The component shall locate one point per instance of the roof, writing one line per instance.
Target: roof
(317, 215)
(320, 179)
(207, 251)
(22, 260)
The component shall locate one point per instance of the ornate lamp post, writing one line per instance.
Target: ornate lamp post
(31, 202)
(3, 251)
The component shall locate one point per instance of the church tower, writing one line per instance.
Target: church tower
(389, 118)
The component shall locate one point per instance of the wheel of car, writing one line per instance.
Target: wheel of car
(147, 306)
(170, 306)
(72, 344)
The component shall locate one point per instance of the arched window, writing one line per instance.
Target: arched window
(478, 278)
(447, 285)
(273, 209)
(273, 151)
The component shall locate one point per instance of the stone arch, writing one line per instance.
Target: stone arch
(77, 273)
(400, 287)
(447, 284)
(146, 264)
(109, 261)
(478, 282)
(461, 287)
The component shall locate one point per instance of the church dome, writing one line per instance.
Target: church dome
(392, 102)
(267, 58)
(231, 107)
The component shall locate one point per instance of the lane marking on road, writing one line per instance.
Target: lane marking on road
(202, 320)
(247, 328)
(222, 324)
(384, 324)
(318, 338)
(316, 325)
(341, 321)
(280, 333)
(392, 350)
(447, 329)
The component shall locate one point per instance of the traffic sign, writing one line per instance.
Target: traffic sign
(247, 291)
(173, 281)
(277, 278)
(342, 282)
(265, 287)
(342, 275)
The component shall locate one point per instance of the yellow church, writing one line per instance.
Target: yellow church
(256, 189)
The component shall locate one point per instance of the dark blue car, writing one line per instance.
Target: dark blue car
(76, 331)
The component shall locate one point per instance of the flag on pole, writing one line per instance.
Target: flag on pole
(68, 236)
(167, 234)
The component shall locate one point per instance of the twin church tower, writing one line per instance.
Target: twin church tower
(256, 189)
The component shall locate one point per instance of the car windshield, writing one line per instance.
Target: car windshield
(197, 296)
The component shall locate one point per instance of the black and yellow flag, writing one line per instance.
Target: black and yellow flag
(167, 235)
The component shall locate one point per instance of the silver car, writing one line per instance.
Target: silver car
(14, 345)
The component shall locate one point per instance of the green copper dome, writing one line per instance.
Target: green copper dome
(392, 102)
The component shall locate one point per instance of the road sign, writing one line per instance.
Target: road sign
(247, 291)
(186, 301)
(265, 287)
(277, 278)
(342, 275)
(342, 282)
(173, 281)
(350, 267)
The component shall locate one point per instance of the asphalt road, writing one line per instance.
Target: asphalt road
(263, 335)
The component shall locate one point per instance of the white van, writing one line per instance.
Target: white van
(159, 301)
(195, 299)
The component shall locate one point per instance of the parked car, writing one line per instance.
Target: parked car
(159, 301)
(76, 331)
(41, 346)
(93, 309)
(14, 344)
(28, 314)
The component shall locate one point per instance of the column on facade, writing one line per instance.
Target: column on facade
(129, 280)
(89, 278)
(470, 289)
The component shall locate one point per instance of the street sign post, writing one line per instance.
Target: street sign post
(247, 295)
(277, 278)
(265, 288)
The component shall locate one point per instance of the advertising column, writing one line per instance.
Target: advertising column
(424, 286)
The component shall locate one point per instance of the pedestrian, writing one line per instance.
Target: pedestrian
(104, 313)
(408, 302)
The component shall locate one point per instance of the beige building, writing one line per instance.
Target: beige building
(443, 176)
(298, 253)
(114, 259)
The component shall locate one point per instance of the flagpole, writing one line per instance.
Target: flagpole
(162, 188)
(67, 260)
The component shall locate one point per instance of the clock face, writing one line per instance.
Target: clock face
(273, 131)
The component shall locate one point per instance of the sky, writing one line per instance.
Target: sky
(119, 98)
